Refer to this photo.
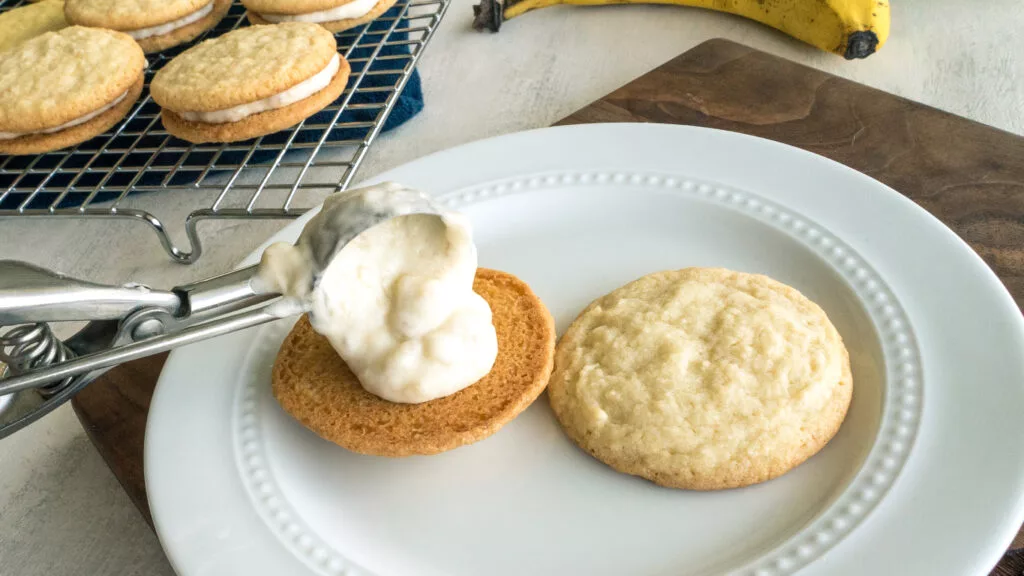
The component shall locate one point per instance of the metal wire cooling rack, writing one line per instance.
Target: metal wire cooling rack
(257, 179)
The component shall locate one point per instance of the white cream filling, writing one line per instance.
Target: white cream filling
(302, 90)
(71, 124)
(397, 301)
(354, 9)
(170, 26)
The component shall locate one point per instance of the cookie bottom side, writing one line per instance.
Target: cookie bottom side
(186, 33)
(315, 386)
(259, 124)
(40, 143)
(339, 25)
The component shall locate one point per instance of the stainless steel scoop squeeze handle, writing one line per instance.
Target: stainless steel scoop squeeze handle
(32, 294)
(125, 323)
(132, 321)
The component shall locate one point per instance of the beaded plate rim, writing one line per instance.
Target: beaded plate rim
(902, 401)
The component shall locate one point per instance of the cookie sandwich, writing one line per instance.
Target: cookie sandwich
(408, 348)
(249, 82)
(702, 379)
(62, 88)
(31, 20)
(155, 24)
(334, 15)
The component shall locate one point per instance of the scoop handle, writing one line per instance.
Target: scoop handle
(30, 294)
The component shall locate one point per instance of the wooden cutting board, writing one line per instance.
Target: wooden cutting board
(969, 175)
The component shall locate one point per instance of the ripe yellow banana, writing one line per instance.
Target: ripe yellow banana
(850, 28)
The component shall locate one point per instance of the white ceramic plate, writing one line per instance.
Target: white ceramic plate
(926, 475)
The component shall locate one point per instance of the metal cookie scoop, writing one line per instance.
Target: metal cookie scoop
(133, 321)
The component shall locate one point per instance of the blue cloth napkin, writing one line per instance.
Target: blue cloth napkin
(410, 101)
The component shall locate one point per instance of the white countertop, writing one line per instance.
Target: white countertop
(62, 511)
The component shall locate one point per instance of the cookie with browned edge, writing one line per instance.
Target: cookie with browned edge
(62, 88)
(334, 15)
(314, 385)
(155, 24)
(250, 82)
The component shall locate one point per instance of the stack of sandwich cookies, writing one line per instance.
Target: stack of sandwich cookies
(62, 88)
(155, 24)
(250, 82)
(334, 15)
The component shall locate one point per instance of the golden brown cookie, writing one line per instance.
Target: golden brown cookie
(292, 6)
(60, 76)
(250, 82)
(31, 20)
(129, 14)
(155, 24)
(242, 66)
(261, 123)
(39, 143)
(702, 379)
(313, 384)
(60, 88)
(335, 25)
(188, 32)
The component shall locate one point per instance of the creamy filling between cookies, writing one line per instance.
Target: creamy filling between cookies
(396, 302)
(171, 26)
(66, 125)
(347, 11)
(300, 91)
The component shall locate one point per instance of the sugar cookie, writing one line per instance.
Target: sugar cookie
(155, 24)
(250, 82)
(702, 379)
(62, 88)
(334, 15)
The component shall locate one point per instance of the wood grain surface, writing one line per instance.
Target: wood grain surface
(113, 412)
(969, 175)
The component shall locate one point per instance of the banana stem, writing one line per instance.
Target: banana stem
(850, 28)
(487, 15)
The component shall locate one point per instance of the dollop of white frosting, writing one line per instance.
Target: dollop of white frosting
(71, 124)
(171, 26)
(302, 90)
(353, 9)
(397, 303)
